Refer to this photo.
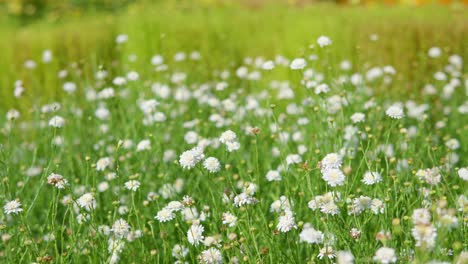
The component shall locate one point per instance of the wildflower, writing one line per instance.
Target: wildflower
(144, 145)
(195, 234)
(13, 114)
(132, 185)
(324, 41)
(395, 111)
(12, 207)
(120, 228)
(212, 164)
(87, 201)
(211, 256)
(310, 235)
(425, 235)
(268, 65)
(273, 175)
(326, 251)
(463, 173)
(56, 122)
(188, 159)
(229, 219)
(179, 251)
(421, 216)
(331, 161)
(333, 177)
(434, 52)
(286, 222)
(385, 255)
(57, 180)
(344, 257)
(358, 117)
(298, 64)
(103, 163)
(371, 177)
(165, 215)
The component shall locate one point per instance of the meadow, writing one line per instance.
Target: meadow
(188, 132)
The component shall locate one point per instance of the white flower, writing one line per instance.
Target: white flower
(120, 228)
(195, 234)
(434, 52)
(371, 177)
(344, 257)
(326, 251)
(298, 64)
(87, 201)
(331, 161)
(268, 65)
(211, 256)
(179, 251)
(273, 175)
(12, 114)
(358, 117)
(395, 111)
(321, 88)
(463, 173)
(103, 163)
(228, 136)
(56, 122)
(132, 185)
(12, 207)
(452, 144)
(385, 255)
(286, 222)
(46, 56)
(293, 159)
(232, 146)
(229, 219)
(145, 144)
(122, 38)
(425, 236)
(421, 216)
(165, 215)
(324, 41)
(57, 180)
(333, 177)
(188, 159)
(310, 235)
(212, 164)
(69, 87)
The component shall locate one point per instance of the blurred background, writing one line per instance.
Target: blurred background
(82, 35)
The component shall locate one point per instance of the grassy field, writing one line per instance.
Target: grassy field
(196, 133)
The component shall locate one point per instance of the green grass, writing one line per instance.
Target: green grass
(225, 36)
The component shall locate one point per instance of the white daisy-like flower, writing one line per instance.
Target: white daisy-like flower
(434, 52)
(179, 251)
(324, 41)
(57, 122)
(463, 173)
(87, 201)
(273, 175)
(326, 251)
(385, 255)
(331, 161)
(211, 256)
(333, 177)
(298, 64)
(371, 177)
(358, 117)
(120, 228)
(229, 219)
(212, 164)
(421, 216)
(310, 235)
(286, 222)
(344, 257)
(165, 215)
(145, 144)
(57, 180)
(12, 207)
(13, 114)
(228, 136)
(395, 111)
(268, 65)
(195, 234)
(103, 163)
(132, 185)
